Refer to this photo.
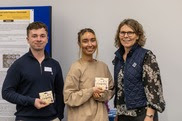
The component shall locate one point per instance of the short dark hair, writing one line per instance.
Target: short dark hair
(137, 28)
(36, 25)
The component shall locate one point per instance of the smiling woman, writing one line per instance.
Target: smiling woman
(138, 90)
(85, 100)
(87, 43)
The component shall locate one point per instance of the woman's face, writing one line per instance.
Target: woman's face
(127, 37)
(88, 44)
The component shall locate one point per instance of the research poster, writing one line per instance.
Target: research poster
(13, 44)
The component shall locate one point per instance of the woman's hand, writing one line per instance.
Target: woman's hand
(96, 95)
(148, 118)
(149, 114)
(97, 92)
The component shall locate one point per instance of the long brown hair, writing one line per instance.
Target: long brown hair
(137, 28)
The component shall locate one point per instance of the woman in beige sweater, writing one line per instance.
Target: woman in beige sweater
(86, 101)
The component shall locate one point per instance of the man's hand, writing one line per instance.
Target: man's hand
(40, 103)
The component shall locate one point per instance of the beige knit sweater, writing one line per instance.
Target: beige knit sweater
(81, 106)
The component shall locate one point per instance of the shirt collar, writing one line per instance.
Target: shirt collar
(45, 52)
(119, 53)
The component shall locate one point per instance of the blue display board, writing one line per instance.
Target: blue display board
(42, 14)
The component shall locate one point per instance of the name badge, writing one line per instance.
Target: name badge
(48, 69)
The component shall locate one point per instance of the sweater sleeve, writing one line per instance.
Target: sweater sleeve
(152, 83)
(10, 85)
(73, 95)
(59, 83)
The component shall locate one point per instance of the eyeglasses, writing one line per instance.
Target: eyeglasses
(130, 33)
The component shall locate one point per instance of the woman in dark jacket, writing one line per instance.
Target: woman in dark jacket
(139, 94)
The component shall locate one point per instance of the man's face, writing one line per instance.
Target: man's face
(37, 39)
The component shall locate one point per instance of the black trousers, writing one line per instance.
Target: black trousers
(140, 117)
(56, 119)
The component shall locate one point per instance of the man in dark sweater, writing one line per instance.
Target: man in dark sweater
(34, 82)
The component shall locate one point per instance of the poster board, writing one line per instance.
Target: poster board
(41, 13)
(13, 43)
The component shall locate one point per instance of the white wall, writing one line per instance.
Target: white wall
(162, 22)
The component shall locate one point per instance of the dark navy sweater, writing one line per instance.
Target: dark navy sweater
(25, 79)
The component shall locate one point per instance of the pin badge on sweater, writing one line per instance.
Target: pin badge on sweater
(134, 64)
